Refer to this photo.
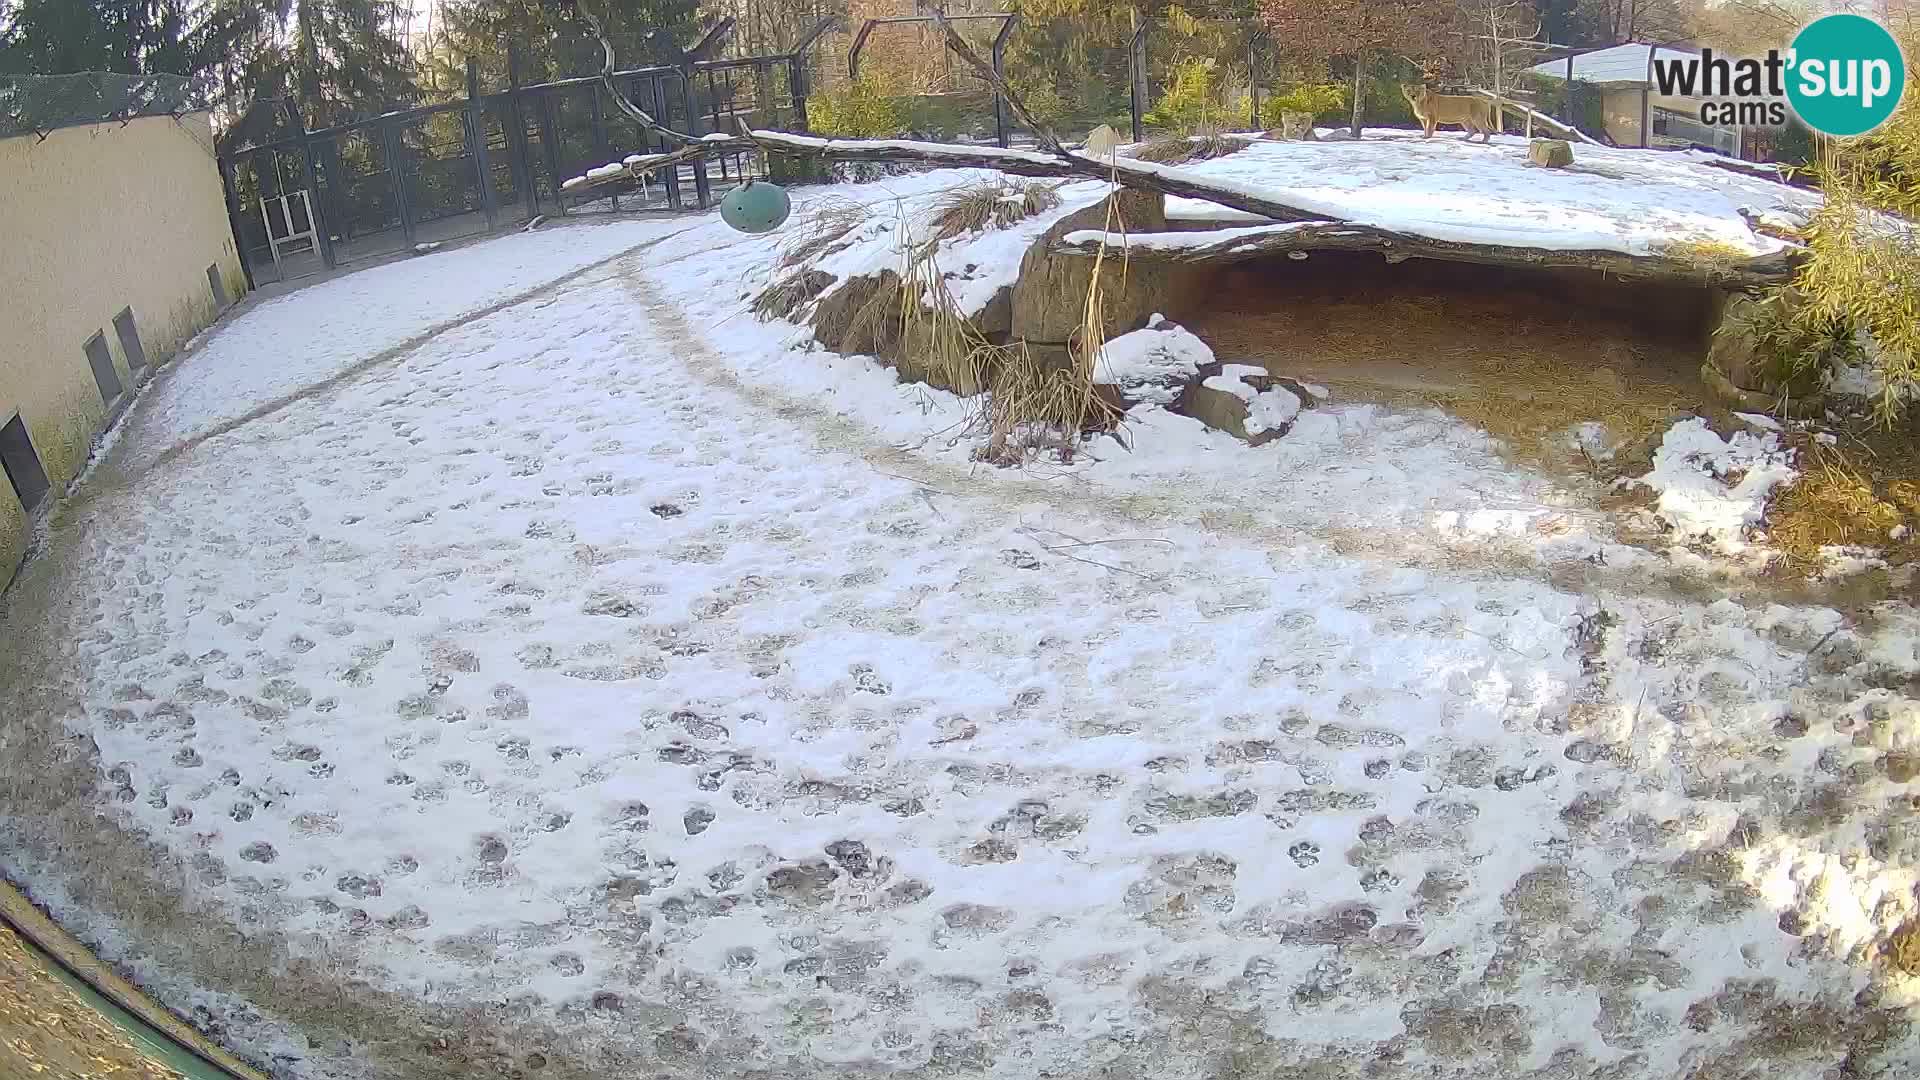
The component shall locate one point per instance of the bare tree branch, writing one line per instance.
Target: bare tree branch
(634, 112)
(964, 51)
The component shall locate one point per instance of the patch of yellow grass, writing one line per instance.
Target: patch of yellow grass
(790, 294)
(989, 204)
(1530, 405)
(1707, 253)
(1903, 949)
(1180, 149)
(1835, 503)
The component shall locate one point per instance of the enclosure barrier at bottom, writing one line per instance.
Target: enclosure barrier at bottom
(125, 1028)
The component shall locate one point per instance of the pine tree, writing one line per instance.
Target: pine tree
(554, 44)
(336, 59)
(58, 37)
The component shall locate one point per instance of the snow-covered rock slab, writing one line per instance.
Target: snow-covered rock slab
(1244, 401)
(1631, 201)
(1152, 364)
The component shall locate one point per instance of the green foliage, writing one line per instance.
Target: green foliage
(1865, 265)
(1043, 100)
(857, 109)
(989, 204)
(1197, 96)
(1319, 99)
(132, 37)
(553, 43)
(1794, 343)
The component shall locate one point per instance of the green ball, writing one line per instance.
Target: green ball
(756, 207)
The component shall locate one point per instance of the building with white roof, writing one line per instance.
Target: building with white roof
(1635, 112)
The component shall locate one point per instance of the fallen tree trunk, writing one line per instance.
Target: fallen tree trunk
(1265, 241)
(1564, 130)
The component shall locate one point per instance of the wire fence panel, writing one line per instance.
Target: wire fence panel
(424, 175)
(37, 104)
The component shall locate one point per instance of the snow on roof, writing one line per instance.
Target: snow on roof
(1620, 64)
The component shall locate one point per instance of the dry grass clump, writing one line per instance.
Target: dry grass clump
(1531, 406)
(862, 316)
(1707, 254)
(1021, 402)
(790, 294)
(1903, 949)
(825, 224)
(1180, 149)
(1847, 499)
(989, 204)
(1037, 406)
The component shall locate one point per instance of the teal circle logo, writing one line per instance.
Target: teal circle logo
(1847, 75)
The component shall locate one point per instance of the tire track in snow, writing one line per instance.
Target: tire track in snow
(116, 474)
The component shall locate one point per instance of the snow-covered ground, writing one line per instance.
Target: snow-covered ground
(295, 341)
(658, 696)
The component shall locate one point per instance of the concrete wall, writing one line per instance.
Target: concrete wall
(95, 219)
(1621, 112)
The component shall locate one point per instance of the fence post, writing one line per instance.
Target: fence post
(1137, 77)
(316, 217)
(713, 107)
(670, 176)
(549, 128)
(391, 143)
(227, 188)
(797, 88)
(515, 116)
(1000, 126)
(477, 144)
(601, 151)
(689, 98)
(1253, 83)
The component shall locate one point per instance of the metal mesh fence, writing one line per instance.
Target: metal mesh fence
(31, 104)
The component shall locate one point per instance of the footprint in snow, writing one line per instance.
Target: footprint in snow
(1019, 560)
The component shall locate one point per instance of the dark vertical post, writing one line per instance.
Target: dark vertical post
(766, 109)
(669, 176)
(334, 179)
(1002, 130)
(601, 151)
(549, 133)
(515, 118)
(702, 185)
(713, 107)
(1137, 63)
(233, 217)
(316, 218)
(477, 145)
(1253, 84)
(1646, 101)
(392, 146)
(1570, 112)
(797, 87)
(599, 122)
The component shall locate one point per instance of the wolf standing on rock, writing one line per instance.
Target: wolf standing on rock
(1432, 110)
